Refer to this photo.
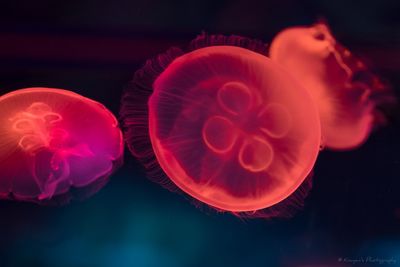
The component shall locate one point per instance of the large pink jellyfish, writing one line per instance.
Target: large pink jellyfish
(53, 140)
(227, 125)
(345, 91)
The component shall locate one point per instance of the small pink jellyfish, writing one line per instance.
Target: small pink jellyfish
(227, 125)
(345, 91)
(53, 140)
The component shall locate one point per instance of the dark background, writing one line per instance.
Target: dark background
(93, 47)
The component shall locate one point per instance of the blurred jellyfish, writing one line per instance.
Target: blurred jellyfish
(52, 141)
(226, 125)
(345, 91)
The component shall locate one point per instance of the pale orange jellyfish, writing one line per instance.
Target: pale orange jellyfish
(53, 141)
(345, 91)
(225, 124)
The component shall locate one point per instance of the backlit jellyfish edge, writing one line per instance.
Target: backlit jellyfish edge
(57, 146)
(351, 98)
(134, 115)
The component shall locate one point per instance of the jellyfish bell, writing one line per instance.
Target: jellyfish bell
(345, 91)
(54, 141)
(225, 124)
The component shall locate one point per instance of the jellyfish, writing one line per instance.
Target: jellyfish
(223, 124)
(55, 142)
(346, 92)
